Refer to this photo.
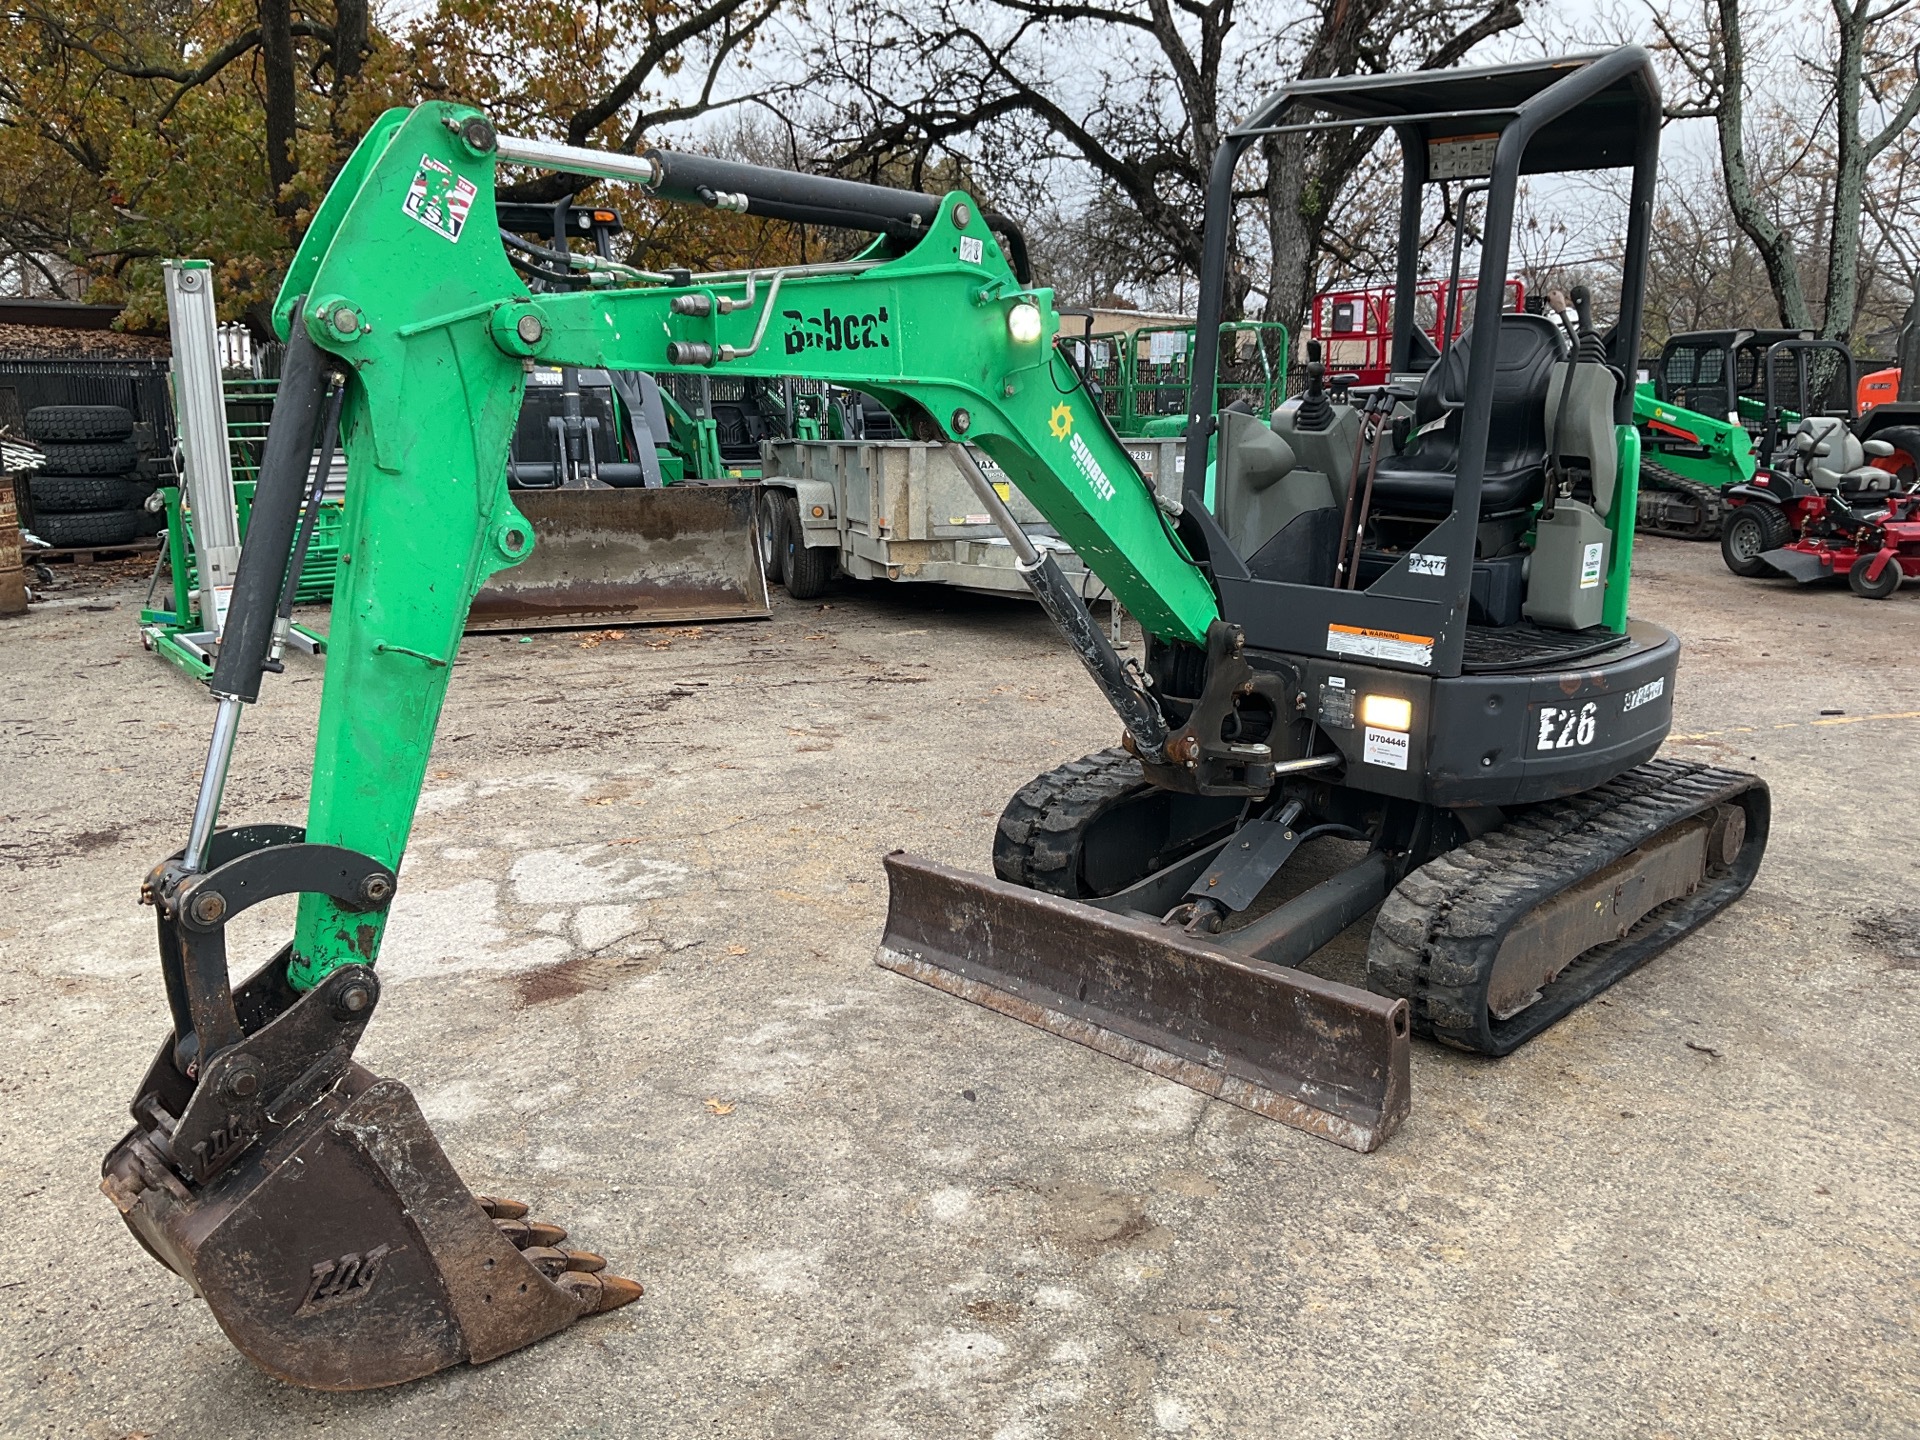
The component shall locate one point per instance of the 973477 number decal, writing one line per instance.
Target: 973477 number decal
(1566, 727)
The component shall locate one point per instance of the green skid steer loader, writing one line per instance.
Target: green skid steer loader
(1417, 655)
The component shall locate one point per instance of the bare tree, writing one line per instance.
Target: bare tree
(1864, 95)
(1307, 174)
(1111, 110)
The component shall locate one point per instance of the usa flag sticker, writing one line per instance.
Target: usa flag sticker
(438, 198)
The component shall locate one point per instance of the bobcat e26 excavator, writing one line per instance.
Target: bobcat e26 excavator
(1420, 651)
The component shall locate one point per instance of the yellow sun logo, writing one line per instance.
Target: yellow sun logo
(1061, 421)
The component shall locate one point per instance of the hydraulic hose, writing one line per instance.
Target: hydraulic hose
(248, 634)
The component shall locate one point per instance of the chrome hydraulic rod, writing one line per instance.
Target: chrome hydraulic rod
(213, 782)
(573, 159)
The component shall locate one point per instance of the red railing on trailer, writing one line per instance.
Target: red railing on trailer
(1355, 324)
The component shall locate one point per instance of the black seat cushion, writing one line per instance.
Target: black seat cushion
(1421, 482)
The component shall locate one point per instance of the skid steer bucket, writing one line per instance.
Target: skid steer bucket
(1319, 1056)
(628, 557)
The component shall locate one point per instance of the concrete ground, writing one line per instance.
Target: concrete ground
(630, 979)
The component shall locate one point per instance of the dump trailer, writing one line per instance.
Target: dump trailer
(903, 510)
(1421, 655)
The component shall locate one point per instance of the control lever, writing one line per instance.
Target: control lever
(1377, 415)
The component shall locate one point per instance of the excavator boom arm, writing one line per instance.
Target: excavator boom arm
(403, 279)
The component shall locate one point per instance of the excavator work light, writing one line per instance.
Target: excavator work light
(1023, 323)
(1387, 712)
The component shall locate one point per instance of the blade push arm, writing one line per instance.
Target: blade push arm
(403, 279)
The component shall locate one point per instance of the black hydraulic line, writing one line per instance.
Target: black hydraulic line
(1137, 711)
(1067, 610)
(309, 517)
(815, 200)
(1015, 243)
(248, 633)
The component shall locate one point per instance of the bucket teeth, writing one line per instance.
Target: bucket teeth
(524, 1233)
(552, 1260)
(598, 1293)
(500, 1208)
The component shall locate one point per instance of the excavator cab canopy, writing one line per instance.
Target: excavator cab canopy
(1485, 128)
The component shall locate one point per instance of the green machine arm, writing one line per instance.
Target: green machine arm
(1726, 448)
(402, 279)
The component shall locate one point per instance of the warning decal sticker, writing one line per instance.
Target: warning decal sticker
(438, 198)
(1381, 645)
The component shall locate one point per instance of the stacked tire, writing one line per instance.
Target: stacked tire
(89, 491)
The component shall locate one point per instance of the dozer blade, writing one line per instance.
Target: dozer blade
(1323, 1057)
(635, 556)
(346, 1254)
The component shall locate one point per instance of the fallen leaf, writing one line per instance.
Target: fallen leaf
(719, 1107)
(736, 949)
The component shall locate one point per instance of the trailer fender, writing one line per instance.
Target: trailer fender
(1740, 494)
(819, 516)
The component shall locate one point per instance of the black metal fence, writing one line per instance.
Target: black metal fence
(139, 386)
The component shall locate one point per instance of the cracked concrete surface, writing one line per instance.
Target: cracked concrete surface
(629, 977)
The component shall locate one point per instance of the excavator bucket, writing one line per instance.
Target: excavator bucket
(347, 1254)
(1319, 1056)
(635, 556)
(305, 1199)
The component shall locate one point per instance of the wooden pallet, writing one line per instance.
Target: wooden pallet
(145, 546)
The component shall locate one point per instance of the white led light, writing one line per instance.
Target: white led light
(1387, 712)
(1023, 323)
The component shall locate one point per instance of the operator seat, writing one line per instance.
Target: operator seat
(1844, 465)
(1420, 482)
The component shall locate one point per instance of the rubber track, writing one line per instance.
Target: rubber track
(1712, 508)
(1037, 843)
(1438, 932)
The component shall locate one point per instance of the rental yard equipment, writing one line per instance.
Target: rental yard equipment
(1355, 323)
(1824, 512)
(635, 519)
(1722, 403)
(1473, 718)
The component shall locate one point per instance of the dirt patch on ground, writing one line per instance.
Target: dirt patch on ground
(1894, 933)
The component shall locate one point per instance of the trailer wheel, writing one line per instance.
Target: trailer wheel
(1749, 532)
(772, 532)
(1880, 589)
(808, 568)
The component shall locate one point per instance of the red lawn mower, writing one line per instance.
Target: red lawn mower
(1824, 511)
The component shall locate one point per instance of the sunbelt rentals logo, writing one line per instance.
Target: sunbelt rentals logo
(1060, 422)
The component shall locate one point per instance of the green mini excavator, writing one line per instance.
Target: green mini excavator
(1389, 626)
